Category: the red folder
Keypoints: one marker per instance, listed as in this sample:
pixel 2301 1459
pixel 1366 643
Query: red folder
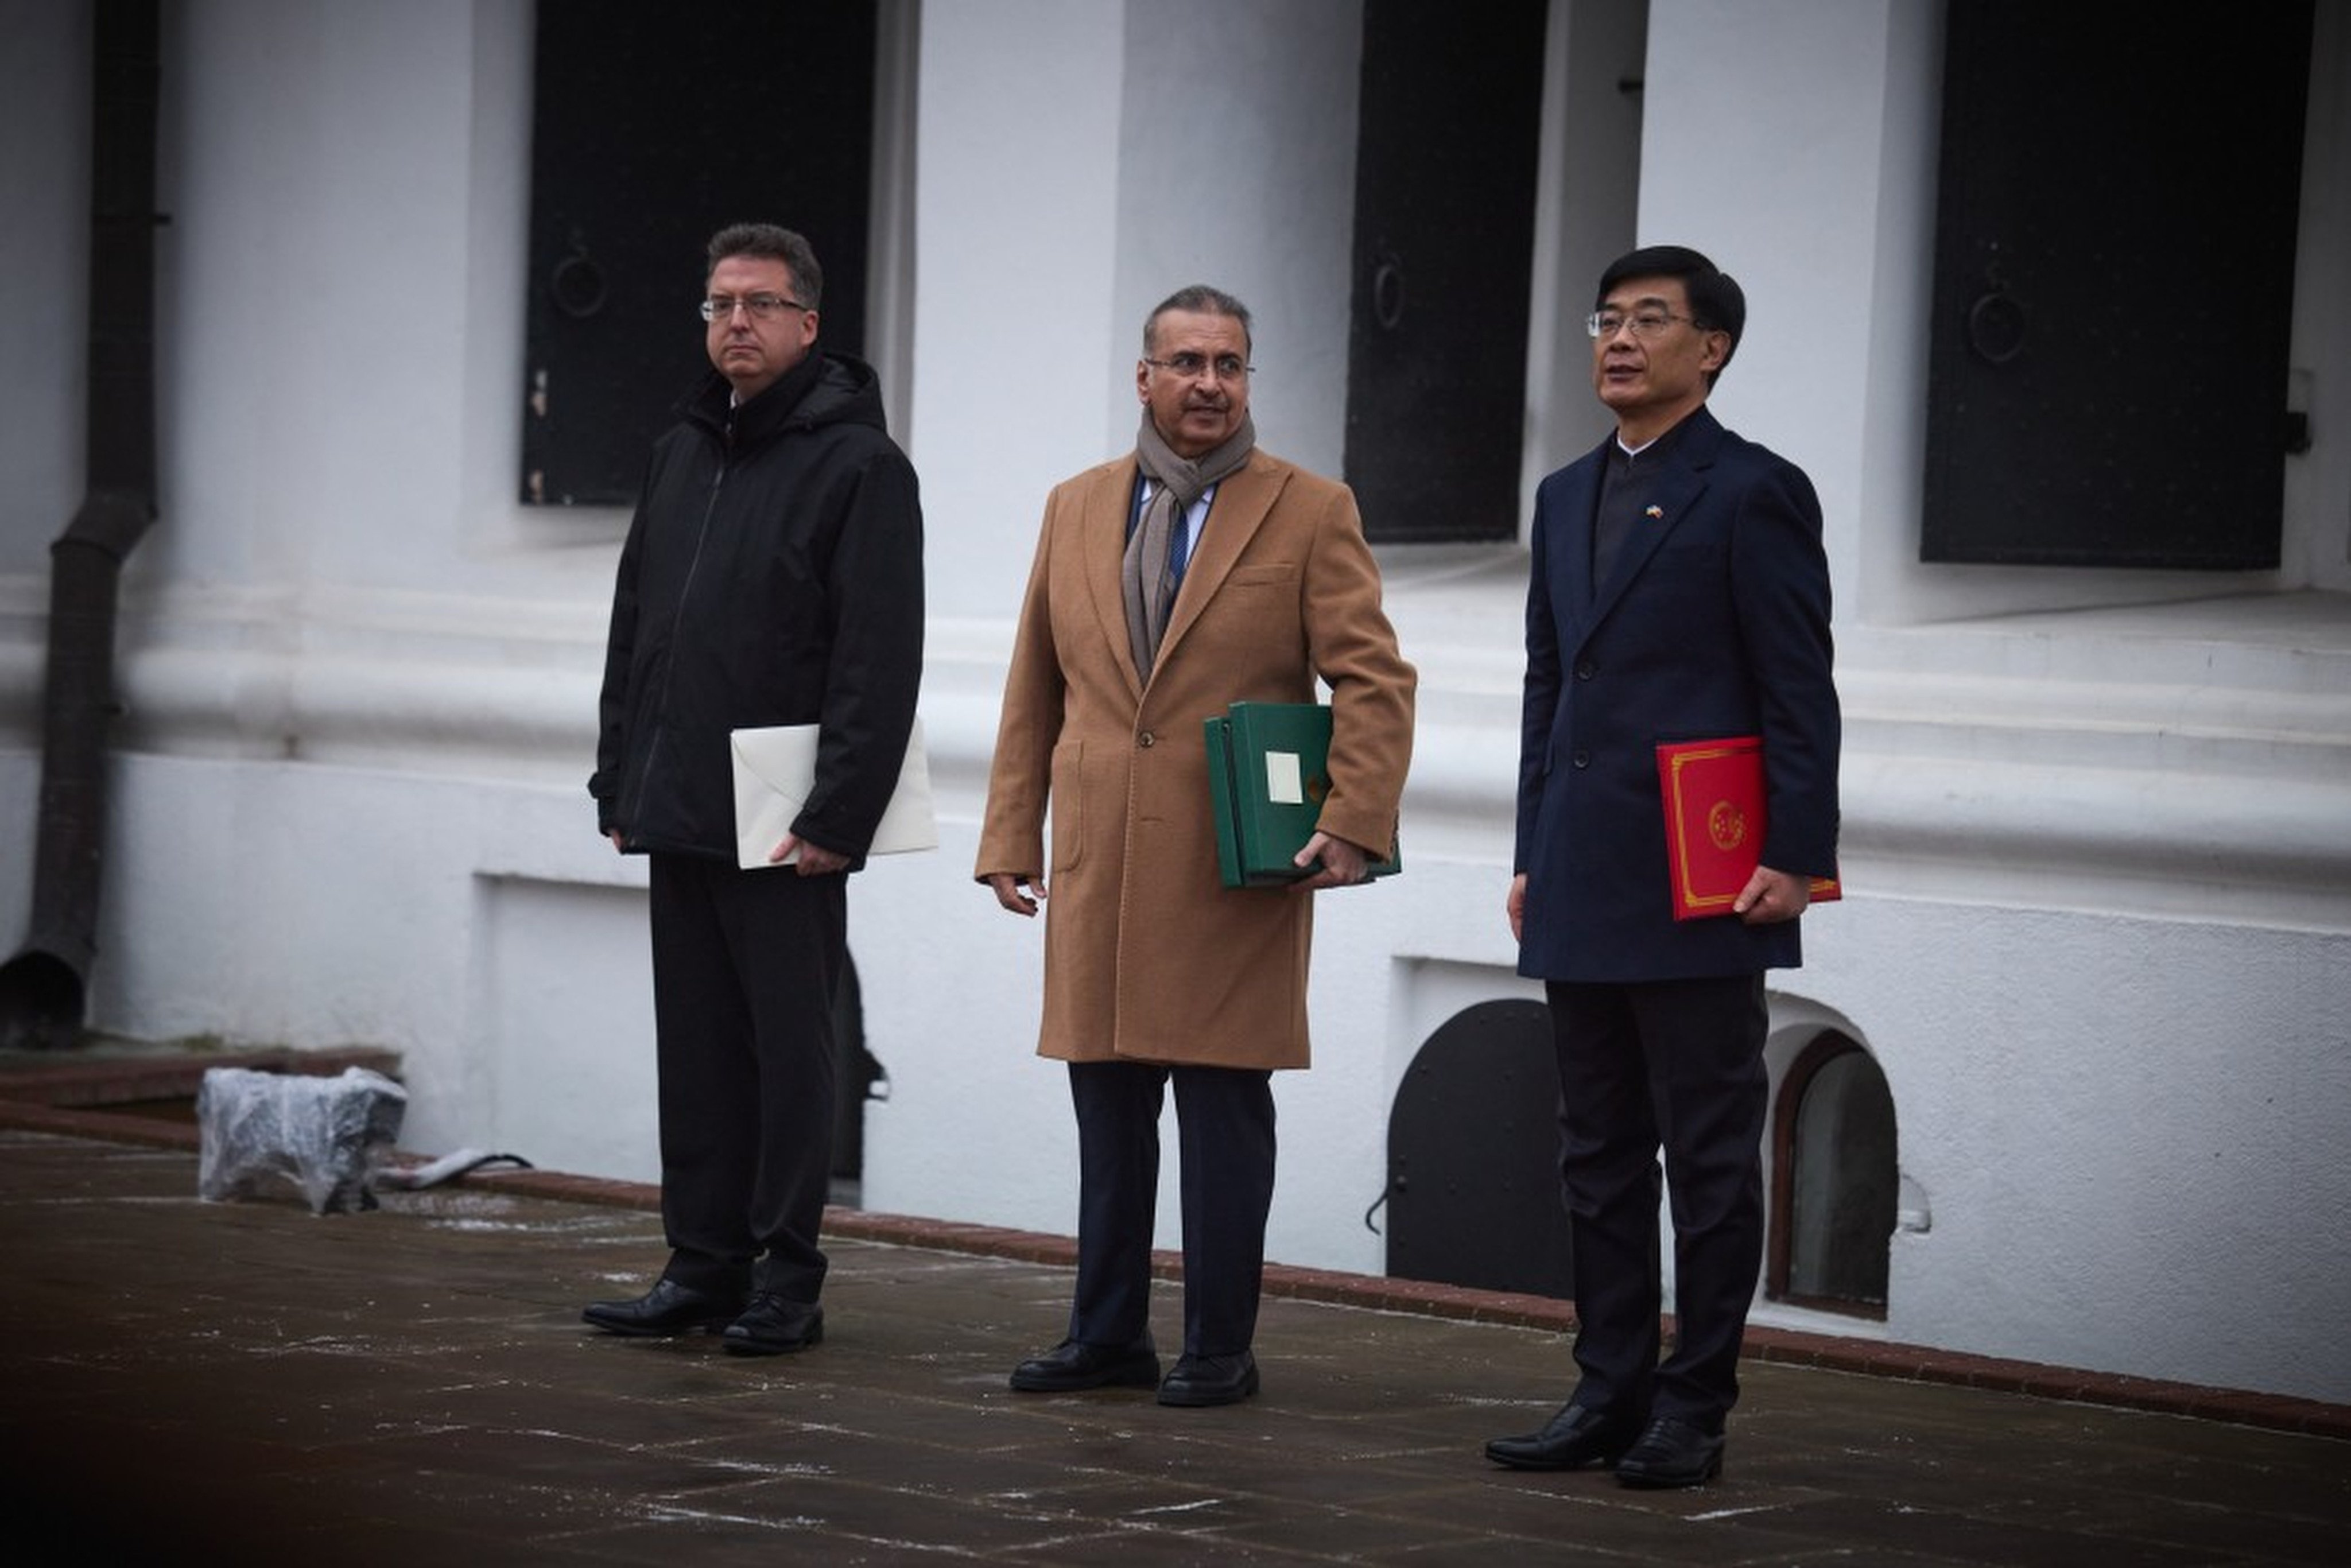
pixel 1713 792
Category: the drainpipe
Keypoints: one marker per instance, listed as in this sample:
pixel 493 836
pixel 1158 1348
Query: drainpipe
pixel 43 987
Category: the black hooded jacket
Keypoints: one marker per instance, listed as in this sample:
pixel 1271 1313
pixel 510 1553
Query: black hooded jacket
pixel 773 575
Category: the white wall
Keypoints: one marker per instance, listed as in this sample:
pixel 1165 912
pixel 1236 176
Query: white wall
pixel 1078 162
pixel 1809 131
pixel 1587 199
pixel 349 188
pixel 1237 169
pixel 2099 904
pixel 360 678
pixel 2096 930
pixel 1015 222
pixel 2127 1130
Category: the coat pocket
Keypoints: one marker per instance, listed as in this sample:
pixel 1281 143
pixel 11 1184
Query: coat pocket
pixel 1068 803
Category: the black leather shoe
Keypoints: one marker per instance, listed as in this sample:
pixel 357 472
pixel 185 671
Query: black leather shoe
pixel 1671 1453
pixel 1203 1380
pixel 669 1308
pixel 1071 1365
pixel 1570 1440
pixel 773 1325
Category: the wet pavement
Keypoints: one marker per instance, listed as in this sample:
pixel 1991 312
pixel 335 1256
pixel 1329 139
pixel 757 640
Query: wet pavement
pixel 193 1382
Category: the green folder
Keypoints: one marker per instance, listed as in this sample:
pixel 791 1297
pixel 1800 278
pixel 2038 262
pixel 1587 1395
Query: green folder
pixel 1268 770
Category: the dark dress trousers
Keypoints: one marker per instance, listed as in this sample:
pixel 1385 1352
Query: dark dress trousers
pixel 1225 1131
pixel 1711 619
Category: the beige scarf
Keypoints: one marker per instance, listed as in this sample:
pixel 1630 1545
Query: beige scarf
pixel 1177 482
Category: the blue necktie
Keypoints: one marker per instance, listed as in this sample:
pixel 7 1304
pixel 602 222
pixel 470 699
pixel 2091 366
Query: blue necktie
pixel 1179 554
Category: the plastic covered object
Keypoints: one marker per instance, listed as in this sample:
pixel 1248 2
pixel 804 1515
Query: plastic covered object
pixel 325 1134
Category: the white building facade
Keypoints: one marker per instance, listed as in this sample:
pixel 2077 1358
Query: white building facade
pixel 2097 937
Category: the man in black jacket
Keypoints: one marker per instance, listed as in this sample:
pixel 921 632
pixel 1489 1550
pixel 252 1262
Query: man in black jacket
pixel 773 575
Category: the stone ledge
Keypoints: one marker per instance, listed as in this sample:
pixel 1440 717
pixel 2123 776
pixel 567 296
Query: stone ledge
pixel 173 1075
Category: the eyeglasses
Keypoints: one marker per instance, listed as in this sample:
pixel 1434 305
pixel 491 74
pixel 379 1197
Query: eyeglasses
pixel 1645 323
pixel 761 306
pixel 1192 367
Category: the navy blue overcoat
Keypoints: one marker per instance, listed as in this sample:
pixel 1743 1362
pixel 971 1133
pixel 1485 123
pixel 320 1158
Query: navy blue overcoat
pixel 1714 621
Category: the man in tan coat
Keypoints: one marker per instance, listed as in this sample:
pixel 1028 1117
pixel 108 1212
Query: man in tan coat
pixel 1196 572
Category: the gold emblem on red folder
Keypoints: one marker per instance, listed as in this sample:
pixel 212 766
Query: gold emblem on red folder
pixel 1716 822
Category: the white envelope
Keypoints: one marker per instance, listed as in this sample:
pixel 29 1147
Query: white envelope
pixel 775 769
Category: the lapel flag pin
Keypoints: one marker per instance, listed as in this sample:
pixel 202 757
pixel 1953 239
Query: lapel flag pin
pixel 1654 513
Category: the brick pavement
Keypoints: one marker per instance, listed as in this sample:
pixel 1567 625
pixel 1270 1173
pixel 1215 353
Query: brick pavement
pixel 206 1382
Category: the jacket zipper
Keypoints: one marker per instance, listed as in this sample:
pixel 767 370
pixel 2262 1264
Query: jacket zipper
pixel 677 617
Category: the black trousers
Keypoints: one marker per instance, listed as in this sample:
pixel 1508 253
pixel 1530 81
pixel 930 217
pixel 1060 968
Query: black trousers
pixel 1677 1064
pixel 1224 1138
pixel 745 967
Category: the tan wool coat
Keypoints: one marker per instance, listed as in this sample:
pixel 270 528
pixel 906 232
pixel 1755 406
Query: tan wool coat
pixel 1147 957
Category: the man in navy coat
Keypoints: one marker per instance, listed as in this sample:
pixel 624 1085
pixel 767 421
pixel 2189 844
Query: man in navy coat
pixel 1678 593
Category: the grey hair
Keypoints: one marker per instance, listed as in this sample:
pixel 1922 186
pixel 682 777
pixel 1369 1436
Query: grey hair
pixel 1203 301
pixel 773 244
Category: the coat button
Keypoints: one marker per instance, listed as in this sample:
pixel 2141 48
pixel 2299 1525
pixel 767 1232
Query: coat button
pixel 1585 669
pixel 1582 759
pixel 1146 740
